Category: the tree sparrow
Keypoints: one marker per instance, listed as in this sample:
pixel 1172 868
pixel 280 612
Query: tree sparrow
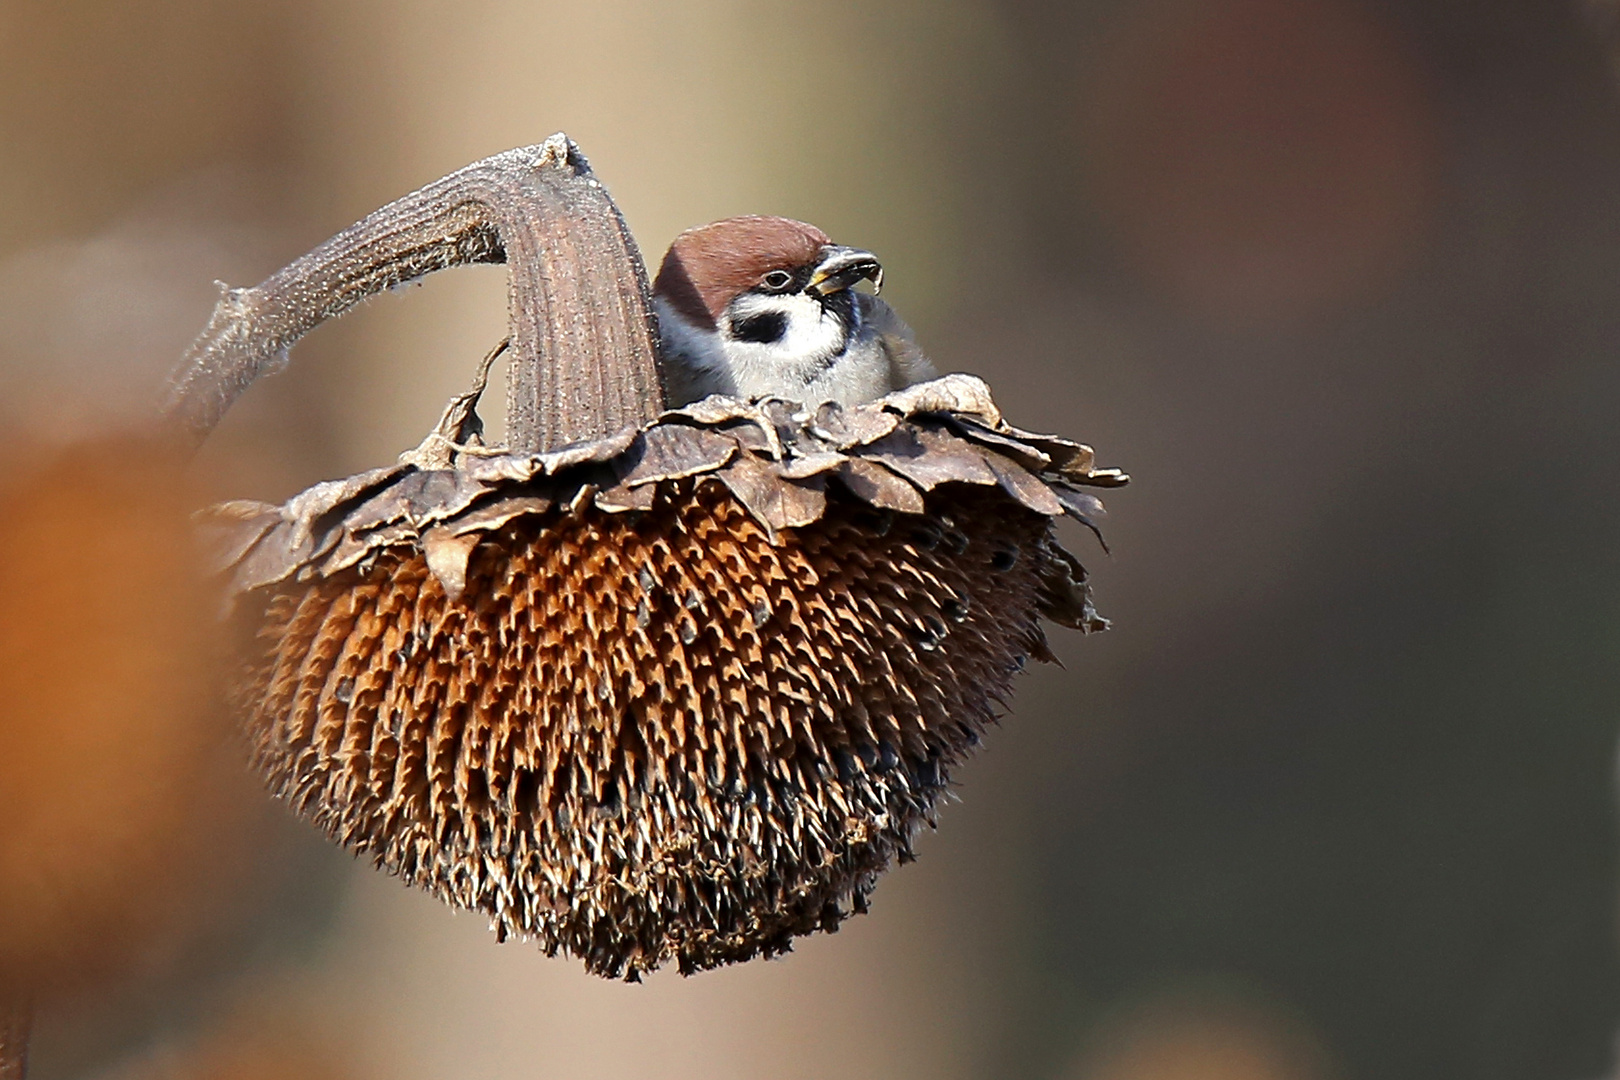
pixel 753 307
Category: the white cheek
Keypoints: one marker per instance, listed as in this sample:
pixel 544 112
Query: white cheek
pixel 811 335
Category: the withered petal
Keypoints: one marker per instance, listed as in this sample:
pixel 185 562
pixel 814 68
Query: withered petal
pixel 231 529
pixel 447 554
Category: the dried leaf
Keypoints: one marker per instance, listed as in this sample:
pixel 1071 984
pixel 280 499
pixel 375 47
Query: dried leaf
pixel 277 556
pixel 848 428
pixel 774 502
pixel 616 500
pixel 1019 450
pixel 1104 478
pixel 526 502
pixel 811 464
pixel 674 451
pixel 1079 504
pixel 520 467
pixel 879 486
pixel 1021 485
pixel 955 393
pixel 1067 600
pixel 929 458
pixel 879 457
pixel 433 496
pixel 1084 508
pixel 331 495
pixel 717 410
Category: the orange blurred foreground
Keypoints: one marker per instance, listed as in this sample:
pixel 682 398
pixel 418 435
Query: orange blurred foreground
pixel 113 807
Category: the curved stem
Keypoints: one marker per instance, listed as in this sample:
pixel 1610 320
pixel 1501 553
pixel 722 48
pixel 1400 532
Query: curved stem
pixel 581 327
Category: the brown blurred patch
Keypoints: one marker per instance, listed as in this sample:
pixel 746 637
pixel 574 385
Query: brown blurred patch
pixel 258 1056
pixel 1201 1033
pixel 119 805
pixel 261 1040
pixel 1262 161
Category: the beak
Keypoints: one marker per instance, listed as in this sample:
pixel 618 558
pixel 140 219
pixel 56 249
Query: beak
pixel 842 267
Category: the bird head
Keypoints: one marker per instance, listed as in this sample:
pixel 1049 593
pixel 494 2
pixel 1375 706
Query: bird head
pixel 764 301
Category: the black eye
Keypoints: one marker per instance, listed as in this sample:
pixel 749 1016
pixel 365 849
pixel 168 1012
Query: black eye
pixel 764 329
pixel 777 280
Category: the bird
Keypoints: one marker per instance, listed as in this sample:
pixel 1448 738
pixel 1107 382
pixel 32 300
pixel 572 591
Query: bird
pixel 754 307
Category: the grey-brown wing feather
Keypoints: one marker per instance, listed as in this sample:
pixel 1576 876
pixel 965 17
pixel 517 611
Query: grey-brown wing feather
pixel 907 362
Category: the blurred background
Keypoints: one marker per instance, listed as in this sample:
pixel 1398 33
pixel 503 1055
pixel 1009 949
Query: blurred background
pixel 1338 281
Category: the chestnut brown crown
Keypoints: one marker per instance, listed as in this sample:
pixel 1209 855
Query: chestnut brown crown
pixel 707 267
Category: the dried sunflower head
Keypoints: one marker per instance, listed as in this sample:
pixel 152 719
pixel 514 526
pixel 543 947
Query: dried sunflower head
pixel 676 694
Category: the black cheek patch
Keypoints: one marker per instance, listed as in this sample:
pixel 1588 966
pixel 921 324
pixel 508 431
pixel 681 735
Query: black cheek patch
pixel 762 329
